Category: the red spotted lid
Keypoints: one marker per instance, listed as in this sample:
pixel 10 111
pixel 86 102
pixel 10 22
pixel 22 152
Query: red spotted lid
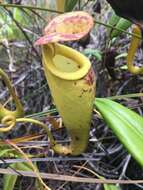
pixel 67 27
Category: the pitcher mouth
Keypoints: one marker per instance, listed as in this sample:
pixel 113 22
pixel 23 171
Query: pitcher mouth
pixel 64 62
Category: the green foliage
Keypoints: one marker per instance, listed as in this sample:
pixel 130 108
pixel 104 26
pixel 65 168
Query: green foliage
pixel 111 187
pixel 93 52
pixel 122 55
pixel 126 124
pixel 108 186
pixel 22 16
pixel 8 28
pixel 10 180
pixel 123 24
pixel 114 19
pixel 118 22
pixel 70 4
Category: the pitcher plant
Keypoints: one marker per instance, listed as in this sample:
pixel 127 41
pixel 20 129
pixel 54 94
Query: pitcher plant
pixel 71 80
pixel 70 77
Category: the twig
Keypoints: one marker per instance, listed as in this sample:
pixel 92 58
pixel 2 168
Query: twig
pixel 58 177
pixel 47 159
pixel 29 7
pixel 115 28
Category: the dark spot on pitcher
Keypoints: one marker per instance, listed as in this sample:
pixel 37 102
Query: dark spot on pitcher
pixel 89 79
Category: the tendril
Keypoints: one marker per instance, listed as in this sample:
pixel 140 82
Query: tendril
pixel 19 108
pixel 9 121
pixel 135 42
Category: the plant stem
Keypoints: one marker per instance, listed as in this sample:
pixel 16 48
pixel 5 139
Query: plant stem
pixel 29 7
pixel 41 114
pixel 134 95
pixel 110 26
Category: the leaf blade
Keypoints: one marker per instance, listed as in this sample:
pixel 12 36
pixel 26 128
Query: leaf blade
pixel 126 124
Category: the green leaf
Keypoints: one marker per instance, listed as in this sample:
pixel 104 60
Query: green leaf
pixel 123 24
pixel 122 55
pixel 96 53
pixel 10 180
pixel 113 20
pixel 22 16
pixel 108 186
pixel 118 22
pixel 3 14
pixel 126 124
pixel 8 28
pixel 70 4
pixel 7 32
pixel 111 187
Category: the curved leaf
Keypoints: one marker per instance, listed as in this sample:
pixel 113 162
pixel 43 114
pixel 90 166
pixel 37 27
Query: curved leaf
pixel 10 180
pixel 126 124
